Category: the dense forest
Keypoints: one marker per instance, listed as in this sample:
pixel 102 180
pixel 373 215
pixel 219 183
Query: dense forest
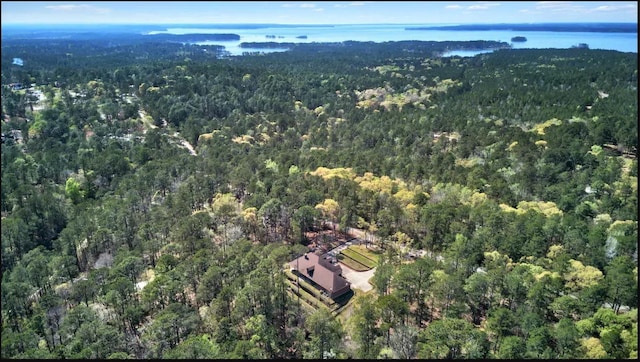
pixel 153 194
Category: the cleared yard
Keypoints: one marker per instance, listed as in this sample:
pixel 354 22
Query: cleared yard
pixel 351 263
pixel 351 253
pixel 361 249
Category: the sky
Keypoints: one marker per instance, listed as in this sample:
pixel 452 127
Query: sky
pixel 315 12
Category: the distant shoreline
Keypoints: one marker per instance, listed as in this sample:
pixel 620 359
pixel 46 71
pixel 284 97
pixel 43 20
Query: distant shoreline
pixel 589 27
pixel 237 38
pixel 556 27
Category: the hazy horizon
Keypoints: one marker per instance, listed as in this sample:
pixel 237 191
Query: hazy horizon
pixel 314 13
pixel 230 25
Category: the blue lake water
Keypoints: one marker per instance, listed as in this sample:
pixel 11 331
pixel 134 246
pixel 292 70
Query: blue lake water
pixel 623 42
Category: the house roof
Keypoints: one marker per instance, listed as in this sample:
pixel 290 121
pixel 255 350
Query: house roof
pixel 322 272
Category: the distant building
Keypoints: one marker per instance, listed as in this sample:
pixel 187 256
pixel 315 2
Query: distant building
pixel 321 273
pixel 18 61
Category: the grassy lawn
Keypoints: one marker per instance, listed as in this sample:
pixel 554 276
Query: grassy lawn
pixel 370 254
pixel 304 295
pixel 359 258
pixel 303 303
pixel 351 263
pixel 316 293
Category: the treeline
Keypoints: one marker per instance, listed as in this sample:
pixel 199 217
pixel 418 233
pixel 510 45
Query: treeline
pixel 118 243
pixel 557 27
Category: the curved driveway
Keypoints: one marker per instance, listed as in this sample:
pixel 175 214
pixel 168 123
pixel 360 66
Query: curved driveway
pixel 358 280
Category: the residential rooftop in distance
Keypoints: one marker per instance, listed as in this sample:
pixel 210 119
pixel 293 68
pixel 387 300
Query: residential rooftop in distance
pixel 324 275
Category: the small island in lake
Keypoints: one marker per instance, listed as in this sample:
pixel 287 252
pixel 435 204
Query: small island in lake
pixel 518 39
pixel 581 46
pixel 192 37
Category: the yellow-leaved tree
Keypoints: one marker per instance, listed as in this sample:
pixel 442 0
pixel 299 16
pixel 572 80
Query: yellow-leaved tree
pixel 330 210
pixel 225 209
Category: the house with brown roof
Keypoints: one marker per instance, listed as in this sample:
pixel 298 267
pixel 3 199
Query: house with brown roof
pixel 321 273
